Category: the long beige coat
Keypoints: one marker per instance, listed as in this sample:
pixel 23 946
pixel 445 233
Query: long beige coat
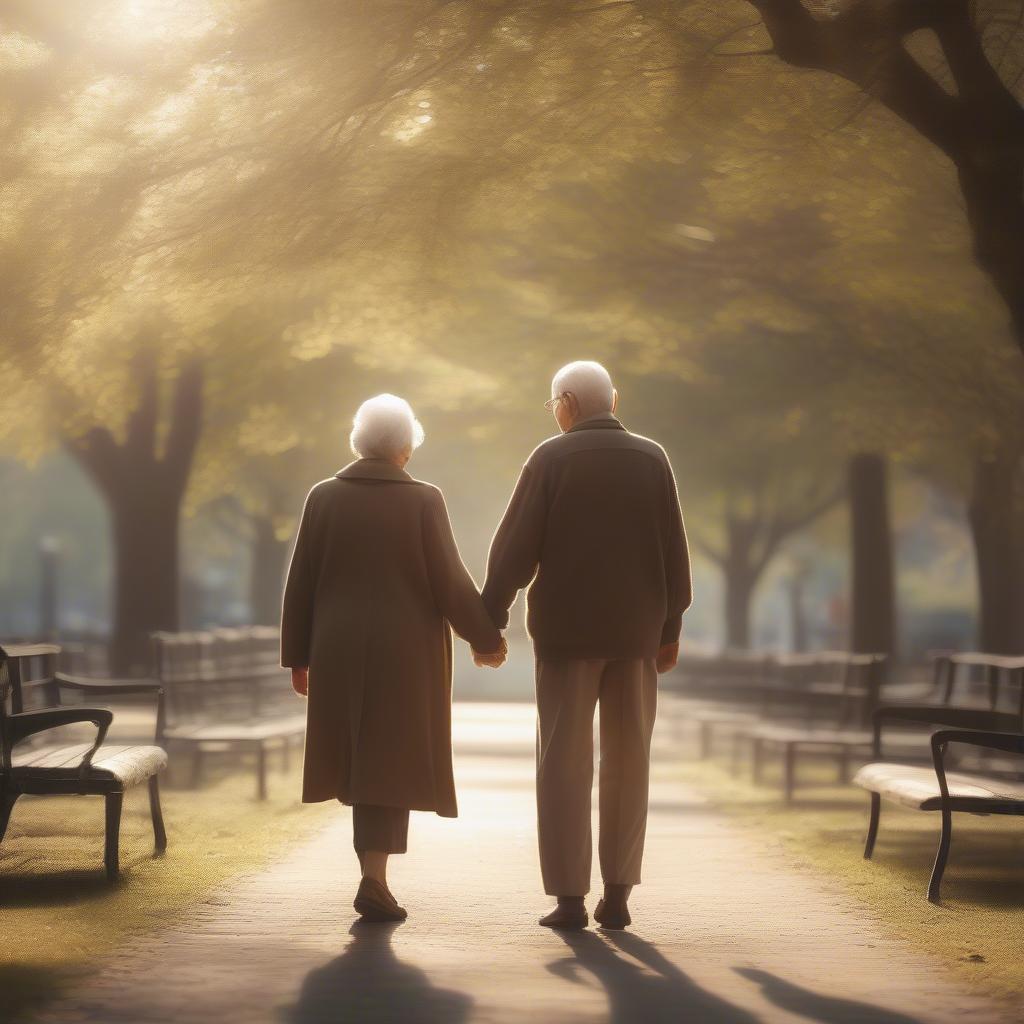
pixel 374 583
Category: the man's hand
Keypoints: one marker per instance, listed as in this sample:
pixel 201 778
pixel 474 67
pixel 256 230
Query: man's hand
pixel 493 660
pixel 300 681
pixel 668 655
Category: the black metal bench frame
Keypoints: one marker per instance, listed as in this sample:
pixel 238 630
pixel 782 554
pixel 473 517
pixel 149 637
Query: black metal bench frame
pixel 19 725
pixel 980 727
pixel 1010 743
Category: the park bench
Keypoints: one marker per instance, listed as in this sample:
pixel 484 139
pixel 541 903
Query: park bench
pixel 217 683
pixel 988 788
pixel 737 679
pixel 795 690
pixel 748 688
pixel 855 694
pixel 72 768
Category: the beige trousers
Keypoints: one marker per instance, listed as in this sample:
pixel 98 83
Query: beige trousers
pixel 567 693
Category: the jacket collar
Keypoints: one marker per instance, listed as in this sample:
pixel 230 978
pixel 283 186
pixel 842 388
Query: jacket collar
pixel 602 421
pixel 374 469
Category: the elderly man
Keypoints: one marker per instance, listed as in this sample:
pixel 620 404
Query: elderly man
pixel 594 523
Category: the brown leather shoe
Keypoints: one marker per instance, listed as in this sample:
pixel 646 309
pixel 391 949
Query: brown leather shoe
pixel 612 911
pixel 570 914
pixel 374 902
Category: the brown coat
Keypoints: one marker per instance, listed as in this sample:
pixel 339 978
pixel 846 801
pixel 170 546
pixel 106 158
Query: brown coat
pixel 374 583
pixel 594 529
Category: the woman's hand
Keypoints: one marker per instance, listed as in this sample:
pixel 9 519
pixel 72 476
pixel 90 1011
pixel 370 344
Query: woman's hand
pixel 300 681
pixel 493 660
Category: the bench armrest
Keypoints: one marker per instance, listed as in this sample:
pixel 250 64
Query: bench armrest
pixel 28 723
pixel 1010 742
pixel 117 687
pixel 111 686
pixel 940 714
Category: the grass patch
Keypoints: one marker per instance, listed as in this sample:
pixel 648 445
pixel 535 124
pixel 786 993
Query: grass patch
pixel 979 929
pixel 58 913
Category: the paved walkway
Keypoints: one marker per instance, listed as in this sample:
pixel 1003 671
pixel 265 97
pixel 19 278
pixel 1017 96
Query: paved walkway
pixel 723 934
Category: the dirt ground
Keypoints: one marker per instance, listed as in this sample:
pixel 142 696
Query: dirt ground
pixel 978 930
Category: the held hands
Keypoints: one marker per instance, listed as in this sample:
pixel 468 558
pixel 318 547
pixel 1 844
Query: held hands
pixel 300 681
pixel 493 660
pixel 668 655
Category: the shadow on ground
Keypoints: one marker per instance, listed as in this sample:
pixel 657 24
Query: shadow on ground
pixel 54 888
pixel 814 1006
pixel 642 985
pixel 368 984
pixel 25 987
pixel 984 870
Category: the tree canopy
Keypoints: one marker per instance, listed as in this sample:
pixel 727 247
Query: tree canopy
pixel 747 209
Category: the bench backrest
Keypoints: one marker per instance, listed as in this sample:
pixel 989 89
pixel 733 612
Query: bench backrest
pixel 217 673
pixel 864 676
pixel 1002 675
pixel 24 670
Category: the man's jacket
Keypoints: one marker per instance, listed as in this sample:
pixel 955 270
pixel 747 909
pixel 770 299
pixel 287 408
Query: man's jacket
pixel 594 523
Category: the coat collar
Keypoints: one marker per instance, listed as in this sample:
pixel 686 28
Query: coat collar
pixel 602 421
pixel 374 469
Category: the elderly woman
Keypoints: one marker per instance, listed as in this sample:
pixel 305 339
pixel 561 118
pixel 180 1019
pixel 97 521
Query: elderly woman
pixel 374 585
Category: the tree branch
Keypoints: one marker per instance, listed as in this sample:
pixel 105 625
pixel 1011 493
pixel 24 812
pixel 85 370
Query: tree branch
pixel 864 45
pixel 815 510
pixel 976 79
pixel 706 548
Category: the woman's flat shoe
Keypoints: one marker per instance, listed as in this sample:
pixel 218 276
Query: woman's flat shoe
pixel 374 902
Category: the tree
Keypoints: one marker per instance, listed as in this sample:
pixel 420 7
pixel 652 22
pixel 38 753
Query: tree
pixel 429 197
pixel 961 105
pixel 144 487
pixel 871 557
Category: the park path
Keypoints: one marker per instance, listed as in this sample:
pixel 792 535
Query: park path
pixel 723 933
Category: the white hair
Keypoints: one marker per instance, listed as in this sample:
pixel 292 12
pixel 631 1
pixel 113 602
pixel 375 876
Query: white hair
pixel 384 426
pixel 589 382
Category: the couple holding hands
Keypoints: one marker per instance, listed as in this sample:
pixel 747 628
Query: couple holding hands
pixel 376 585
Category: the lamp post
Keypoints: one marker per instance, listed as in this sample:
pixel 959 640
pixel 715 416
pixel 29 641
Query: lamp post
pixel 800 569
pixel 49 558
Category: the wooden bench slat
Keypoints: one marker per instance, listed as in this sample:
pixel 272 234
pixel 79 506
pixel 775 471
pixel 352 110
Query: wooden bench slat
pixel 127 764
pixel 50 756
pixel 918 787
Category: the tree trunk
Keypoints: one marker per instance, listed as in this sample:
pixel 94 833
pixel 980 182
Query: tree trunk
pixel 145 528
pixel 49 580
pixel 266 580
pixel 797 615
pixel 739 592
pixel 739 576
pixel 992 514
pixel 872 599
pixel 143 489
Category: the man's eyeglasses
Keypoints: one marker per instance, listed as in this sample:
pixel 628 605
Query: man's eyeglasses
pixel 552 402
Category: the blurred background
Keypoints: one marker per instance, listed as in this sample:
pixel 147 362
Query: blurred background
pixel 793 231
pixel 790 232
